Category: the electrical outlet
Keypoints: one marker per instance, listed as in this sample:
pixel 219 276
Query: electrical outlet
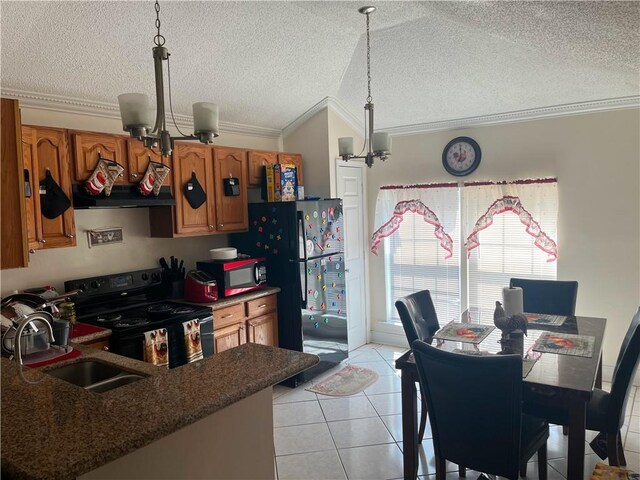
pixel 105 236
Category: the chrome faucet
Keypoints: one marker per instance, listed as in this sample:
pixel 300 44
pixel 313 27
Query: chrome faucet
pixel 17 348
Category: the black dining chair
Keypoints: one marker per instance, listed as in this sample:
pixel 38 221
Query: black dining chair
pixel 553 297
pixel 420 322
pixel 475 410
pixel 605 410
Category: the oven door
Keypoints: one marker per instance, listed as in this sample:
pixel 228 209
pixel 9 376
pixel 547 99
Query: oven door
pixel 132 345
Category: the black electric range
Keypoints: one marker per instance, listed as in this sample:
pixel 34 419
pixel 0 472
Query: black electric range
pixel 131 304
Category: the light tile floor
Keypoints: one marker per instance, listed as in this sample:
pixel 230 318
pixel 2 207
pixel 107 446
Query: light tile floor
pixel 318 437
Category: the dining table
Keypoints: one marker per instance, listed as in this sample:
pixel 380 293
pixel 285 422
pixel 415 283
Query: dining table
pixel 556 379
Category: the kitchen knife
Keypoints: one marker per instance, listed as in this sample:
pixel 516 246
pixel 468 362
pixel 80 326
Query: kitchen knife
pixel 173 262
pixel 181 265
pixel 163 263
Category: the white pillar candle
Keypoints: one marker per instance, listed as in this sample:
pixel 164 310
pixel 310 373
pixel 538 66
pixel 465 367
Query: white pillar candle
pixel 205 117
pixel 381 142
pixel 345 146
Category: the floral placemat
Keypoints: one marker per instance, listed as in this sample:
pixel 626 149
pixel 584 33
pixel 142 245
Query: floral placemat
pixel 464 332
pixel 565 344
pixel 527 363
pixel 544 319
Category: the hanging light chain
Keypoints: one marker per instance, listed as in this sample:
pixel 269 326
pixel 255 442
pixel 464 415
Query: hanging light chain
pixel 368 63
pixel 158 39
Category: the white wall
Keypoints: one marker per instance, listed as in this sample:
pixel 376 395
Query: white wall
pixel 596 158
pixel 339 128
pixel 54 266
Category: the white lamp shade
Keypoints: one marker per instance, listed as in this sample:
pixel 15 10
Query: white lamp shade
pixel 345 146
pixel 205 117
pixel 381 142
pixel 135 110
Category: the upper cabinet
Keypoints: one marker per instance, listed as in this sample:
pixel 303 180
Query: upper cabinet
pixel 46 150
pixel 138 158
pixel 88 147
pixel 293 159
pixel 230 180
pixel 13 233
pixel 259 159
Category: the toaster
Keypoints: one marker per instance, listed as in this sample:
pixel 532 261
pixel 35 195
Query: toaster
pixel 200 287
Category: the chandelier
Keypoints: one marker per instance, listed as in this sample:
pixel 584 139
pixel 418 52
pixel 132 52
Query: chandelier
pixel 137 114
pixel 378 144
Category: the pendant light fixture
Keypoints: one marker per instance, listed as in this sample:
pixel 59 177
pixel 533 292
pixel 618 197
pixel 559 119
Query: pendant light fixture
pixel 137 115
pixel 378 144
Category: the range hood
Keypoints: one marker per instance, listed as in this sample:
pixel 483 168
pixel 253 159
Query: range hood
pixel 121 196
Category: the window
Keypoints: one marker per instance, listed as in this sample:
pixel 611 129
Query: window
pixel 508 231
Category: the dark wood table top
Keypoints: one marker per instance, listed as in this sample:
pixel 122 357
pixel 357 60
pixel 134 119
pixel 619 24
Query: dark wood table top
pixel 555 373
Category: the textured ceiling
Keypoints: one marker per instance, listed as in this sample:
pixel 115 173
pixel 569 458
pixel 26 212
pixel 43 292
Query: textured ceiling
pixel 266 63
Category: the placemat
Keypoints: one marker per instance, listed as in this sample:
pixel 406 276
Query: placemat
pixel 527 363
pixel 565 344
pixel 544 319
pixel 464 332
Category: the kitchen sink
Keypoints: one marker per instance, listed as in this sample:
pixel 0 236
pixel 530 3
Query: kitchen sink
pixel 95 376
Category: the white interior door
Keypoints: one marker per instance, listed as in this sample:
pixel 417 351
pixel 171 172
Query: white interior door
pixel 350 188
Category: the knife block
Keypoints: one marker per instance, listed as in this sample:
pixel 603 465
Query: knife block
pixel 174 290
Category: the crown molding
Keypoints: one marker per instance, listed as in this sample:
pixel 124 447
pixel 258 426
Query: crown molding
pixel 326 102
pixel 63 104
pixel 519 116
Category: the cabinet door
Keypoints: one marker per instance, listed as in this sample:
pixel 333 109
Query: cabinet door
pixel 231 211
pixel 229 337
pixel 294 159
pixel 258 160
pixel 263 329
pixel 13 232
pixel 189 159
pixel 139 156
pixel 32 203
pixel 89 146
pixel 52 154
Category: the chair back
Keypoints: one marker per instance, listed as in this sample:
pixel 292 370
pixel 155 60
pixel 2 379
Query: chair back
pixel 418 316
pixel 553 297
pixel 474 407
pixel 623 374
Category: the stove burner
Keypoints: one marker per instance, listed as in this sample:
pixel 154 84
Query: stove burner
pixel 131 322
pixel 160 308
pixel 109 318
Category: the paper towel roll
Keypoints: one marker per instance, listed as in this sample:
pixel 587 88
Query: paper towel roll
pixel 512 300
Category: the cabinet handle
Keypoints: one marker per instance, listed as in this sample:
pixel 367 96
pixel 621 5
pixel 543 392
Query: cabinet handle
pixel 221 225
pixel 32 250
pixel 134 175
pixel 227 315
pixel 210 227
pixel 42 241
pixel 105 348
pixel 70 235
pixel 241 327
pixel 262 306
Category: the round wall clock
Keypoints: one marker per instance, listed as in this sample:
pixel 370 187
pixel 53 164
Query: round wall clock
pixel 461 156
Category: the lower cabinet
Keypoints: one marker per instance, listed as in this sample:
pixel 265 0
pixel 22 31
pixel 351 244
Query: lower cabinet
pixel 100 344
pixel 253 321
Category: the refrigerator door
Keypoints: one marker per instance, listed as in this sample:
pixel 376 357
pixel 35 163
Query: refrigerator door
pixel 324 316
pixel 320 228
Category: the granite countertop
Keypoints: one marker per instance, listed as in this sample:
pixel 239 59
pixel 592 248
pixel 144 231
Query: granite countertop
pixel 243 297
pixel 88 333
pixel 54 430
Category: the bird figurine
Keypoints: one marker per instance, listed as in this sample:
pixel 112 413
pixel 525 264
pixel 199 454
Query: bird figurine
pixel 509 324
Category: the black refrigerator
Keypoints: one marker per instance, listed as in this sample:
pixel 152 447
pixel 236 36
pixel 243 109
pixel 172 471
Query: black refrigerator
pixel 303 243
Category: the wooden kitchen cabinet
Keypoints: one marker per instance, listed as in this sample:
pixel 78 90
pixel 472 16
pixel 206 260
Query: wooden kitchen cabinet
pixel 88 147
pixel 257 160
pixel 231 210
pixel 138 158
pixel 13 232
pixel 294 159
pixel 47 149
pixel 253 321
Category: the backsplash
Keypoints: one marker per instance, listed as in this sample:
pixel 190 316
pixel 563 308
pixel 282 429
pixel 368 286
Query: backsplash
pixel 138 251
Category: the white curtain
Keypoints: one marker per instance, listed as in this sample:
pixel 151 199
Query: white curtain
pixel 437 205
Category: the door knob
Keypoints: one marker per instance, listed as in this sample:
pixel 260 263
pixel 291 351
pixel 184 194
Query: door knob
pixel 70 235
pixel 42 241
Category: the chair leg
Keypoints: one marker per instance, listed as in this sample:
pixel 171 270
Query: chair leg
pixel 462 471
pixel 523 469
pixel 423 421
pixel 542 462
pixel 565 430
pixel 441 469
pixel 615 452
